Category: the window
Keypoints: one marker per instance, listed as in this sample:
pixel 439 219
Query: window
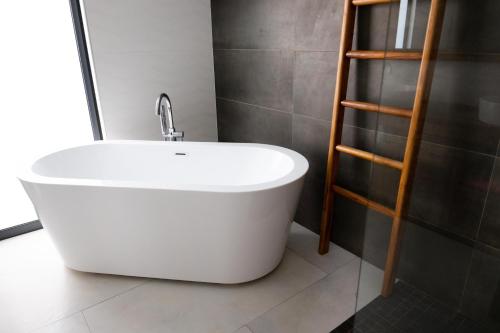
pixel 42 97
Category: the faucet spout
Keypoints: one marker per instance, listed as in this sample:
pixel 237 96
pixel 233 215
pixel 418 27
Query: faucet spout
pixel 164 110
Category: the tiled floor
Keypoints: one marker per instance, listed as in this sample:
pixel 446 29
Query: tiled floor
pixel 409 310
pixel 306 293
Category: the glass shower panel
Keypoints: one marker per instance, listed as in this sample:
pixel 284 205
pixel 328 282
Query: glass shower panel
pixel 449 269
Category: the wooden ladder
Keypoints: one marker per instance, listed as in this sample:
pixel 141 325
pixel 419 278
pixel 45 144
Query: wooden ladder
pixel 416 116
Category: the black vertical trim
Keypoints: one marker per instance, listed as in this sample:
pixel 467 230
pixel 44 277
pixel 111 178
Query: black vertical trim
pixel 83 54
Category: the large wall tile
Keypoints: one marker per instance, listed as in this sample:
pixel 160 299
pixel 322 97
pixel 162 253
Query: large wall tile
pixel 354 173
pixel 481 300
pixel 116 26
pixel 372 24
pixel 490 226
pixel 318 24
pixel 450 187
pixel 310 204
pixel 366 89
pixel 471 26
pixel 310 137
pixel 434 263
pixel 256 24
pixel 239 122
pixel 142 48
pixel 314 83
pixel 364 232
pixel 260 77
pixel 130 83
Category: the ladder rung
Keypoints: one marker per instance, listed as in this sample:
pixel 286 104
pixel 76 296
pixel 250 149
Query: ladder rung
pixel 370 156
pixel 377 108
pixel 371 2
pixel 364 201
pixel 380 55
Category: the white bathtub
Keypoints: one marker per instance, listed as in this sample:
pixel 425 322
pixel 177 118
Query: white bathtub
pixel 211 212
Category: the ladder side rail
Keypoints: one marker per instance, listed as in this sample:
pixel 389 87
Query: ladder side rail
pixel 424 82
pixel 346 38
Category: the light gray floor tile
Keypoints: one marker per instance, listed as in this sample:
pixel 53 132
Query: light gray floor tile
pixel 73 324
pixel 36 289
pixel 319 308
pixel 170 306
pixel 305 243
pixel 244 329
pixel 370 284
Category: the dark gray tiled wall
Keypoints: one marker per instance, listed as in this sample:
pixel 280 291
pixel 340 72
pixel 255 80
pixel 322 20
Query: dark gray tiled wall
pixel 275 67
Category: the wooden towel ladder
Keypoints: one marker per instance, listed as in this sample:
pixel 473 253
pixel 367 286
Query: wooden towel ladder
pixel 415 115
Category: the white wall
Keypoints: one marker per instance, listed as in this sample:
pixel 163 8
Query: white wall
pixel 142 48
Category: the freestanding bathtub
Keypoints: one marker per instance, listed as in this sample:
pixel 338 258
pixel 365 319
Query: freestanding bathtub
pixel 211 212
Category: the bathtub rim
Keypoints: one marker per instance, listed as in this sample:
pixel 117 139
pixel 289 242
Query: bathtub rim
pixel 300 168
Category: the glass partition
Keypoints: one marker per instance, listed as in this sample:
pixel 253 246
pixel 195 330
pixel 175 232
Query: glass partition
pixel 449 267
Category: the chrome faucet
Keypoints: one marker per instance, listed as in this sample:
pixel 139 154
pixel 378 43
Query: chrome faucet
pixel 164 110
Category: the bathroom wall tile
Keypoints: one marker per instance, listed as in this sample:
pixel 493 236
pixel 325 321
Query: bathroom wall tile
pixel 36 289
pixel 144 76
pixel 310 204
pixel 450 187
pixel 372 27
pixel 170 306
pixel 490 227
pixel 318 24
pixel 258 24
pixel 142 48
pixel 239 122
pixel 310 137
pixel 471 26
pixel 314 83
pixel 365 78
pixel 434 263
pixel 260 77
pixel 481 299
pixel 123 27
pixel 384 181
pixel 73 324
pixel 319 308
pixel 458 88
pixel 354 173
pixel 304 242
pixel 348 225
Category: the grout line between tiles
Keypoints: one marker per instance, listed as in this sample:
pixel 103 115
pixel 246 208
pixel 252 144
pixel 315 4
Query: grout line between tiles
pixel 91 306
pixel 243 326
pixel 86 322
pixel 255 105
pixel 321 269
pixel 111 297
pixel 299 292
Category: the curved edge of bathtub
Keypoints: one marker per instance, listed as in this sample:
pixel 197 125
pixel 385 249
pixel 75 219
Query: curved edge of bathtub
pixel 301 166
pixel 222 282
